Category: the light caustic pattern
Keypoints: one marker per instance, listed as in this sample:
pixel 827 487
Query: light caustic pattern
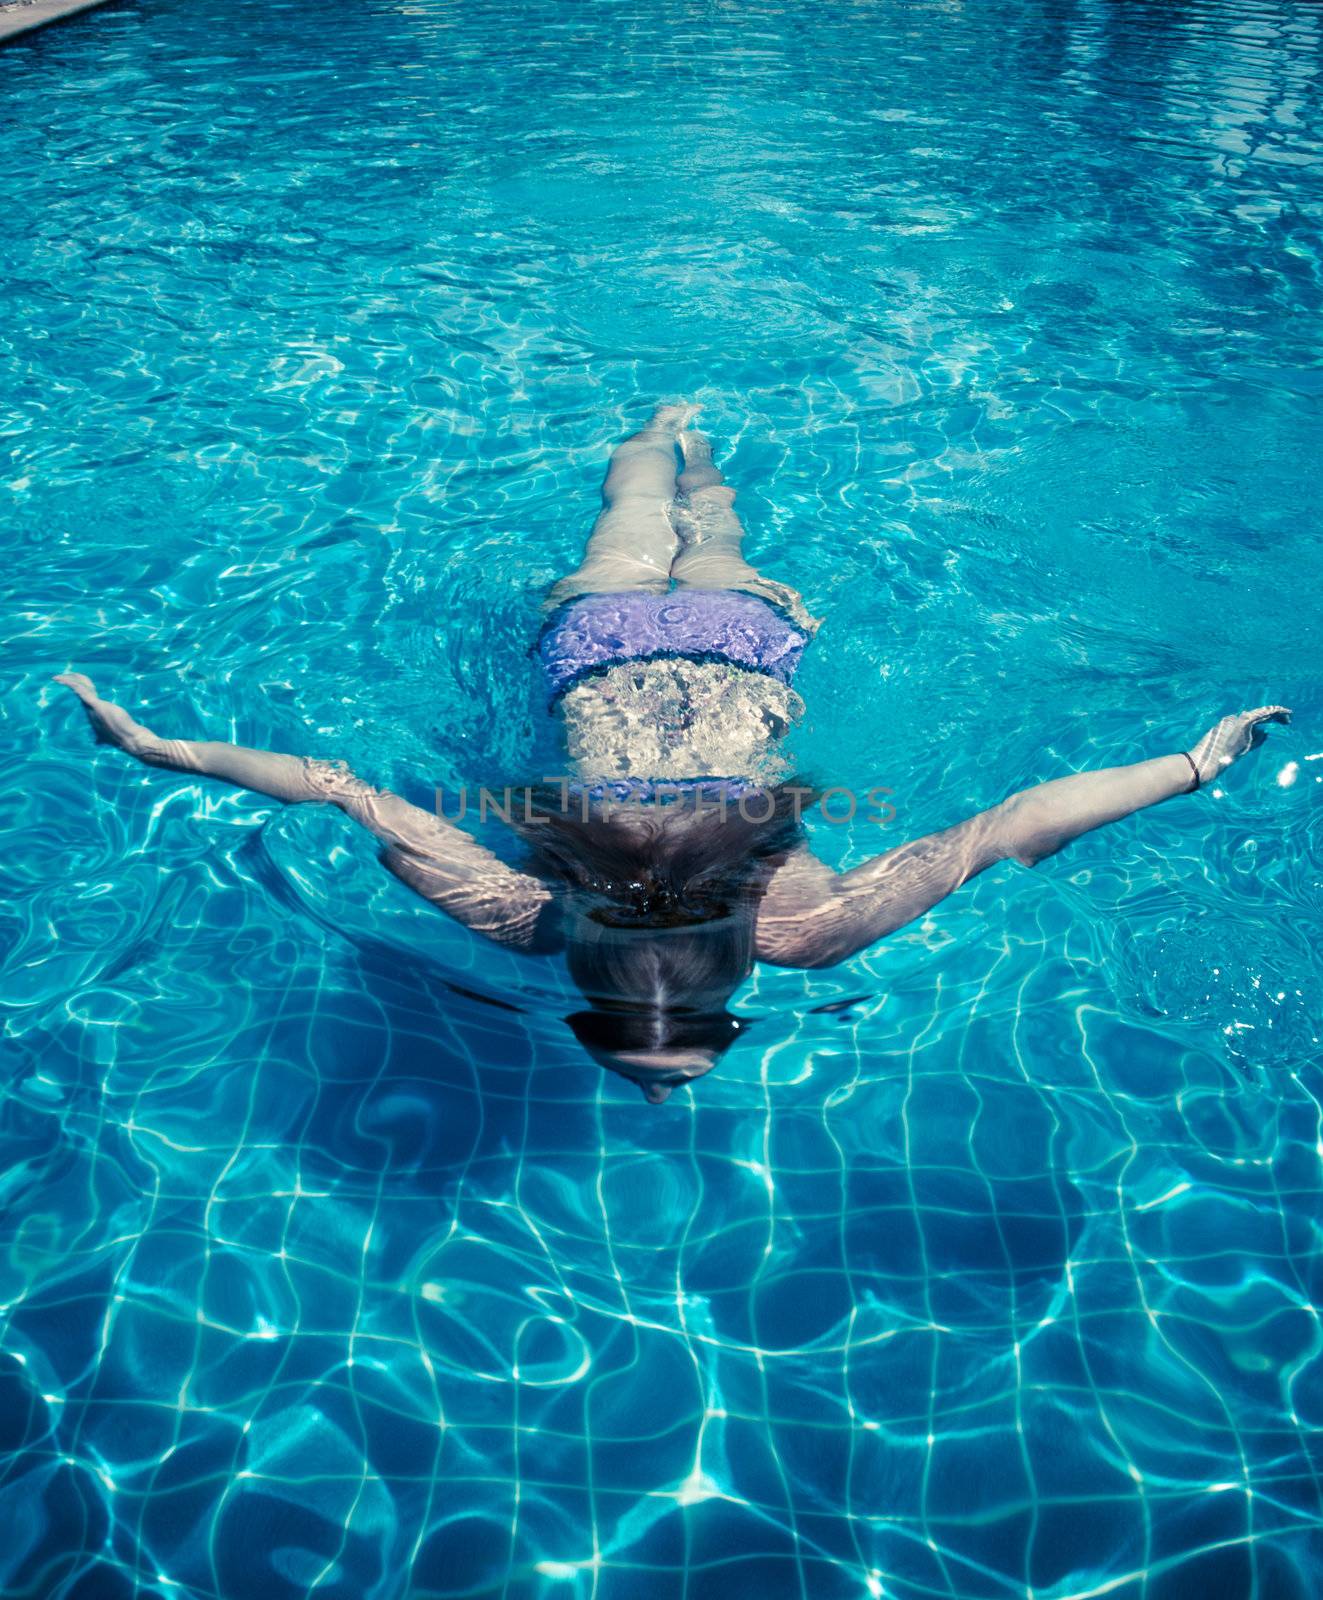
pixel 986 1264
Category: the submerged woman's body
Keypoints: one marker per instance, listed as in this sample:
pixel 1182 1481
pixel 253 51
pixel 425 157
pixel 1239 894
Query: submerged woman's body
pixel 669 662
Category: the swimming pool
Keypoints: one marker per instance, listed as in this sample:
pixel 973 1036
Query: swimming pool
pixel 985 1265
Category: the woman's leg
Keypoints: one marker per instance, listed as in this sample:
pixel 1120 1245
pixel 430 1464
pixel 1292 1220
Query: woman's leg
pixel 711 536
pixel 633 541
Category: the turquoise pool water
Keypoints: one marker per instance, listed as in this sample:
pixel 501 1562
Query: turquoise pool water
pixel 987 1264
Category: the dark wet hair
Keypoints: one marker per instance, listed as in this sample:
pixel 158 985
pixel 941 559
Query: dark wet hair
pixel 670 894
pixel 667 859
pixel 654 1028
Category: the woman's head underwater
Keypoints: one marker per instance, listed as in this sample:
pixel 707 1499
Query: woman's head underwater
pixel 660 908
pixel 657 997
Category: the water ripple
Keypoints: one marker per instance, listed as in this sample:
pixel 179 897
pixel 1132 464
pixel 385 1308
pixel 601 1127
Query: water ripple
pixel 987 1265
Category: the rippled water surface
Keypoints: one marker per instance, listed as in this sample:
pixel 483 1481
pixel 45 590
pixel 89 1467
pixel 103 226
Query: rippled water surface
pixel 986 1265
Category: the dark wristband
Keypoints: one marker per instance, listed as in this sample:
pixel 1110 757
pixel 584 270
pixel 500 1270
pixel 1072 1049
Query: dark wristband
pixel 1194 770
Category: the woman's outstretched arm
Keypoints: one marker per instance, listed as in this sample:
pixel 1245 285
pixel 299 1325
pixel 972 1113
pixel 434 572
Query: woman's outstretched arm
pixel 442 863
pixel 811 916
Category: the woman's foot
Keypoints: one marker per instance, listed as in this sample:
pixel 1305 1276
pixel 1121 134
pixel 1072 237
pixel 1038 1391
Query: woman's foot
pixel 1234 737
pixel 673 419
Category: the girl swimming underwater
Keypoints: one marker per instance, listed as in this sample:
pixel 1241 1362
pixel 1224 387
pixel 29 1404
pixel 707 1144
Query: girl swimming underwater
pixel 669 662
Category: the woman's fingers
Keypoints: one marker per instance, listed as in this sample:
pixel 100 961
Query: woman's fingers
pixel 80 683
pixel 1254 724
pixel 110 723
pixel 1268 714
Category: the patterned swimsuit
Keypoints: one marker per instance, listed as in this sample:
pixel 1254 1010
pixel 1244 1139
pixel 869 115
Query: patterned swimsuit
pixel 682 687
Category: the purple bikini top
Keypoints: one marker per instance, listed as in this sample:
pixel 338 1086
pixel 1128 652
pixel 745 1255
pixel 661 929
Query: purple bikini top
pixel 597 631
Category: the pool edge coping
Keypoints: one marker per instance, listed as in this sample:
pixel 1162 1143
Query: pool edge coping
pixel 28 18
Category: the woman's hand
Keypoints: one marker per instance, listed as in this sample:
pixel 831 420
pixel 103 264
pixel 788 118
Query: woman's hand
pixel 1232 738
pixel 110 723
